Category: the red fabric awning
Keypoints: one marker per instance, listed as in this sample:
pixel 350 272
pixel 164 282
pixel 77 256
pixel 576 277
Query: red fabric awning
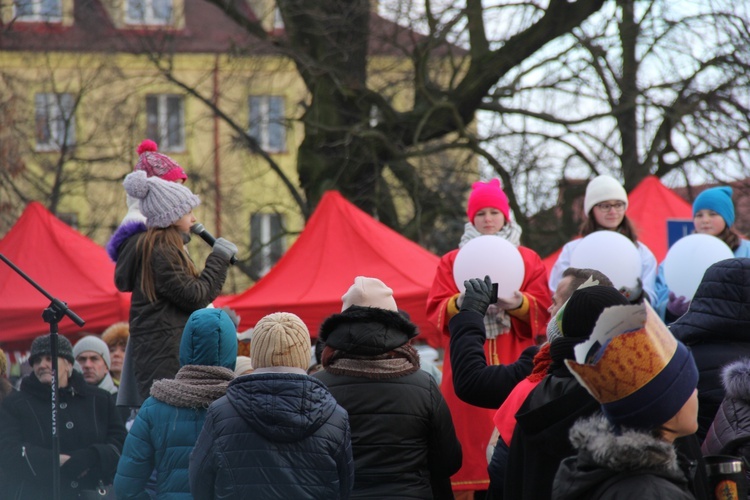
pixel 339 243
pixel 68 265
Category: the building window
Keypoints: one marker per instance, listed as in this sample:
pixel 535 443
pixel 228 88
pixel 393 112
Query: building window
pixel 38 10
pixel 266 242
pixel 155 12
pixel 55 121
pixel 165 122
pixel 267 122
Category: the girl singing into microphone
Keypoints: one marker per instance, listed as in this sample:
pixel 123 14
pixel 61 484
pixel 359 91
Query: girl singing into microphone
pixel 165 283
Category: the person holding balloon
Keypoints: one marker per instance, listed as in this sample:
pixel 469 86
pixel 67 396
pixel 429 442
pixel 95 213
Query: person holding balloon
pixel 713 214
pixel 512 324
pixel 605 205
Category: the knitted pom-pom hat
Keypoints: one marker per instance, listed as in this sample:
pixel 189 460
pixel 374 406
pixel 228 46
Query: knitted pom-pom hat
pixel 162 203
pixel 158 164
pixel 487 194
pixel 281 339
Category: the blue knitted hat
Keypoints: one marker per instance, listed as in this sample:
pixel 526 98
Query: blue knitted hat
pixel 718 199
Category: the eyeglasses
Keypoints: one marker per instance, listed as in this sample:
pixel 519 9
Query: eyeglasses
pixel 606 207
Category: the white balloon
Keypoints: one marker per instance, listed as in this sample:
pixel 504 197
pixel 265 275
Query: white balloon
pixel 688 259
pixel 610 253
pixel 491 256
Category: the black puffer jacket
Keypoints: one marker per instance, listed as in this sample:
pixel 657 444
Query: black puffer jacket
pixel 274 435
pixel 730 432
pixel 717 330
pixel 474 381
pixel 611 466
pixel 89 427
pixel 402 433
pixel 156 327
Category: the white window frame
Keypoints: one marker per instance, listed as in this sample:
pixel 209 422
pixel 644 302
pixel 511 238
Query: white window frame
pixel 159 125
pixel 150 14
pixel 38 14
pixel 264 242
pixel 56 114
pixel 262 125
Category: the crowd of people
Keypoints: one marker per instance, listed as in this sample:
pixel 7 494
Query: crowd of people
pixel 539 396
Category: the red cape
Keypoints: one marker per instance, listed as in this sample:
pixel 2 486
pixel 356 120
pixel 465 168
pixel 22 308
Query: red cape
pixel 474 425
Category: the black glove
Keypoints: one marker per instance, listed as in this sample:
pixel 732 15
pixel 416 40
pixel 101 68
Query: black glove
pixel 80 463
pixel 478 295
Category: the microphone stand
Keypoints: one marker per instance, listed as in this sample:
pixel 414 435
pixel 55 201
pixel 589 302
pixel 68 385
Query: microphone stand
pixel 52 315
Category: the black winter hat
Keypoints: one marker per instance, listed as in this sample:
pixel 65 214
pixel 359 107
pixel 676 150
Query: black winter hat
pixel 584 308
pixel 42 346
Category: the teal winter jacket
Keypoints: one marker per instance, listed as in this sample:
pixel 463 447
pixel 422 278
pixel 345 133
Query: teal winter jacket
pixel 163 435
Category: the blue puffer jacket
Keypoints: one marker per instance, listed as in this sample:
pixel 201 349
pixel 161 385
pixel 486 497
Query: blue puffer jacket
pixel 274 435
pixel 717 330
pixel 163 435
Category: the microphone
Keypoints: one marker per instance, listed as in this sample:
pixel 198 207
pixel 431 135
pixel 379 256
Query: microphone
pixel 199 230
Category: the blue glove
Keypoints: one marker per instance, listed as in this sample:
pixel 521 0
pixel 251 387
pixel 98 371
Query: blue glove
pixel 677 305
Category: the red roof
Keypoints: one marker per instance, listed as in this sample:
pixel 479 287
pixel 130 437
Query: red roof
pixel 68 265
pixel 650 204
pixel 207 29
pixel 339 243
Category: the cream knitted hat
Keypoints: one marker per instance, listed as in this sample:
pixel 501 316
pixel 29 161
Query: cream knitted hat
pixel 281 339
pixel 369 292
pixel 603 188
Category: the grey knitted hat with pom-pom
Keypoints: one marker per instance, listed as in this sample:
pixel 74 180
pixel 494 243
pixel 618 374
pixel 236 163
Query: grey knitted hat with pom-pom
pixel 162 202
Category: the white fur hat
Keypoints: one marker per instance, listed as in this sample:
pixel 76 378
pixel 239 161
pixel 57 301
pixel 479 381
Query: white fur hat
pixel 603 188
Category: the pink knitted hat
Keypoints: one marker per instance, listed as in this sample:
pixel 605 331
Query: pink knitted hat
pixel 487 194
pixel 158 164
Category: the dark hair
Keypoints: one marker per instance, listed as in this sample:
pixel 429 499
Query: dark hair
pixel 581 275
pixel 625 228
pixel 731 237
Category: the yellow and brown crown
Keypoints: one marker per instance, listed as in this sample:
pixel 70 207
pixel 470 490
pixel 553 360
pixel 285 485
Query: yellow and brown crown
pixel 638 371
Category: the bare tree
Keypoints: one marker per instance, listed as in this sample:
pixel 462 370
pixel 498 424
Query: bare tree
pixel 361 132
pixel 640 88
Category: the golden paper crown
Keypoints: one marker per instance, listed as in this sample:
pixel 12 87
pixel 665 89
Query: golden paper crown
pixel 631 357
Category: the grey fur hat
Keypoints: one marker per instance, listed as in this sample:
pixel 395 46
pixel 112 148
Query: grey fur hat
pixel 735 377
pixel 162 202
pixel 41 346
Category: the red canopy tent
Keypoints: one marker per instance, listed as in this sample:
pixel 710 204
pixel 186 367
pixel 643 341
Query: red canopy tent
pixel 650 204
pixel 339 243
pixel 68 265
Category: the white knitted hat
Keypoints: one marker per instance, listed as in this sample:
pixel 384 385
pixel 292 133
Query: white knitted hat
pixel 369 292
pixel 280 339
pixel 603 188
pixel 162 202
